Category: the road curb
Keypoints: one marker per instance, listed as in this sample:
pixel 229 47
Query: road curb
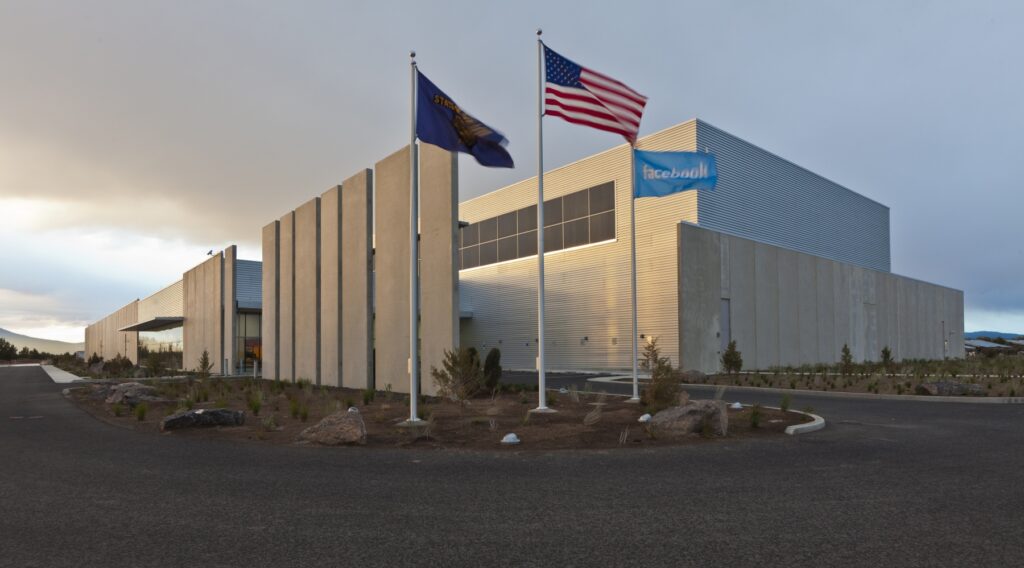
pixel 851 395
pixel 816 424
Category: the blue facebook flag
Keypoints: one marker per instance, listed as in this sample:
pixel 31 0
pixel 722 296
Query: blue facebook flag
pixel 441 122
pixel 658 174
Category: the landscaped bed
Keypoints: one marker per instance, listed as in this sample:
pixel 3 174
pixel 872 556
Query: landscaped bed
pixel 870 382
pixel 585 420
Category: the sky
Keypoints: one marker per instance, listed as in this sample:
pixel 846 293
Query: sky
pixel 137 135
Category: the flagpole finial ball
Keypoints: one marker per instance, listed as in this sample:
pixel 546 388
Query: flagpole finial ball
pixel 539 31
pixel 412 55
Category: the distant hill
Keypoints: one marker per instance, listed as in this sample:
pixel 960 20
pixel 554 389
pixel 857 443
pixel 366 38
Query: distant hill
pixel 991 334
pixel 46 345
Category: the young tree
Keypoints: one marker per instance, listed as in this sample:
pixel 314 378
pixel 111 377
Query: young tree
pixel 492 369
pixel 846 361
pixel 205 366
pixel 732 359
pixel 887 362
pixel 460 376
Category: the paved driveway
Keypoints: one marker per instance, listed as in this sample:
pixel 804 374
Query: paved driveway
pixel 886 484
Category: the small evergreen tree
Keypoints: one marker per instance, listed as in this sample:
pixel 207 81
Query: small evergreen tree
pixel 205 366
pixel 492 369
pixel 887 362
pixel 460 376
pixel 846 361
pixel 732 359
pixel 7 350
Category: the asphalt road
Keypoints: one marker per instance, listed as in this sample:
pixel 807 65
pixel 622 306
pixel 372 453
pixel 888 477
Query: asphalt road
pixel 885 484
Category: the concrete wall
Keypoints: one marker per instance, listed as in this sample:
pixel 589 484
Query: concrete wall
pixel 270 320
pixel 391 261
pixel 230 308
pixel 791 308
pixel 357 281
pixel 103 338
pixel 330 287
pixel 307 291
pixel 286 299
pixel 203 302
pixel 439 242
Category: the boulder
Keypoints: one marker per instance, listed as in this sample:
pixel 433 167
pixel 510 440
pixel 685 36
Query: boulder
pixel 690 418
pixel 131 394
pixel 203 417
pixel 694 377
pixel 950 388
pixel 339 428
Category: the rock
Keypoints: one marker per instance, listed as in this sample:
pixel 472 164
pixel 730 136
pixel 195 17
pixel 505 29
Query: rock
pixel 694 377
pixel 736 406
pixel 131 394
pixel 341 427
pixel 644 419
pixel 950 388
pixel 689 418
pixel 510 439
pixel 203 417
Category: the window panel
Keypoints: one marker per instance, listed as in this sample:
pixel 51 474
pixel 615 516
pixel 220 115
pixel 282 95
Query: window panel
pixel 471 235
pixel 471 257
pixel 507 248
pixel 575 205
pixel 602 227
pixel 527 243
pixel 507 225
pixel 528 219
pixel 576 232
pixel 602 198
pixel 488 253
pixel 488 230
pixel 552 212
pixel 553 238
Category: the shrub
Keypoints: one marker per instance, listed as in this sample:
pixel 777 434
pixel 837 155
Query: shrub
pixel 154 365
pixel 784 405
pixel 349 403
pixel 256 403
pixel 492 369
pixel 303 413
pixel 140 411
pixel 732 359
pixel 368 396
pixel 460 376
pixel 205 366
pixel 755 416
pixel 269 424
pixel 663 390
pixel 846 361
pixel 117 409
pixel 887 362
pixel 293 407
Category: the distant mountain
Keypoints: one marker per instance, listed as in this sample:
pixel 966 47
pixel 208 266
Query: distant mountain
pixel 991 334
pixel 46 345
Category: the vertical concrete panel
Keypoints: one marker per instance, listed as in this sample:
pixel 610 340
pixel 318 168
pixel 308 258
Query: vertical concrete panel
pixel 269 320
pixel 330 287
pixel 742 285
pixel 439 276
pixel 827 352
pixel 357 281
pixel 855 275
pixel 202 302
pixel 286 304
pixel 841 311
pixel 700 294
pixel 766 305
pixel 307 291
pixel 789 307
pixel 808 309
pixel 230 308
pixel 391 260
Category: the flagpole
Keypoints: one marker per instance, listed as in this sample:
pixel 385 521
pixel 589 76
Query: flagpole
pixel 632 267
pixel 542 396
pixel 414 308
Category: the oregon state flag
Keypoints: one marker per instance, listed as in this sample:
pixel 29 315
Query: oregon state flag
pixel 441 122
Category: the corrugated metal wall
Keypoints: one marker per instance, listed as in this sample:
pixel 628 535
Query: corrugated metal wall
pixel 766 198
pixel 165 303
pixel 249 283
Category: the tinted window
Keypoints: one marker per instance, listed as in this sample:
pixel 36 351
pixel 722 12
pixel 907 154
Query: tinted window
pixel 471 257
pixel 506 248
pixel 470 235
pixel 575 205
pixel 576 233
pixel 507 225
pixel 527 244
pixel 602 227
pixel 488 253
pixel 552 212
pixel 527 218
pixel 602 198
pixel 488 230
pixel 553 238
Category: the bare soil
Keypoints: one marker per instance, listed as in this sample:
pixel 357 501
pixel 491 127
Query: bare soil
pixel 288 408
pixel 863 383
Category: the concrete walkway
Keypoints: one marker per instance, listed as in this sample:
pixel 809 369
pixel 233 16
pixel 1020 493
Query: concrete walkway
pixel 60 375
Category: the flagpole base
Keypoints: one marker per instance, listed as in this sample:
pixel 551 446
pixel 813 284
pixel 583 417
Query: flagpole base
pixel 543 410
pixel 412 422
pixel 633 400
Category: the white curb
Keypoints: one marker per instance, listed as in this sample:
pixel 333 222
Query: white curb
pixel 60 375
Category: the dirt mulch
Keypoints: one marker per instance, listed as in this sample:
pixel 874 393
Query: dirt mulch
pixel 286 410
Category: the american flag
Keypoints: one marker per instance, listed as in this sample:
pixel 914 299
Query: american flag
pixel 584 96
